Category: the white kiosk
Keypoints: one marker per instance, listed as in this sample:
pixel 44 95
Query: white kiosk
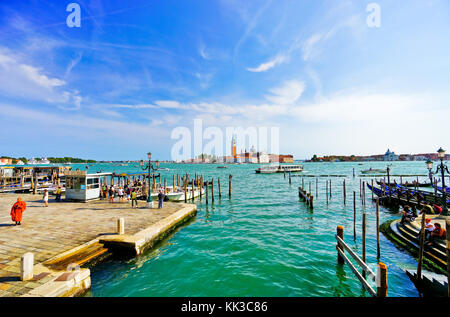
pixel 82 186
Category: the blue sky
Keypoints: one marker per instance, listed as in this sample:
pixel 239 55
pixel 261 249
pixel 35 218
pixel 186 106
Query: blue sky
pixel 117 86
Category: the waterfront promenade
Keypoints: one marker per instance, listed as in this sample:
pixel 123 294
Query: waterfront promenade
pixel 49 232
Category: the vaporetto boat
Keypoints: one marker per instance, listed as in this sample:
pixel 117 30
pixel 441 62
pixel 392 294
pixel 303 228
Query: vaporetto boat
pixel 279 169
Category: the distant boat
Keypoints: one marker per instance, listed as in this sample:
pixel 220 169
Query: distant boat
pixel 279 169
pixel 222 166
pixel 373 170
pixel 163 169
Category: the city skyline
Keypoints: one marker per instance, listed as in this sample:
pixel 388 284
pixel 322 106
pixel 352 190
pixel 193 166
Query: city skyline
pixel 118 85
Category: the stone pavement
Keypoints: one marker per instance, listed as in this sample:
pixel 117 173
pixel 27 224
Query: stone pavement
pixel 49 231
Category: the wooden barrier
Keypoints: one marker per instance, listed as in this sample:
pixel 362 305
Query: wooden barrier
pixel 307 197
pixel 380 278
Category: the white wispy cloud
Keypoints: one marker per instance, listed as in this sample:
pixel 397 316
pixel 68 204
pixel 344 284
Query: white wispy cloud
pixel 288 93
pixel 22 80
pixel 268 65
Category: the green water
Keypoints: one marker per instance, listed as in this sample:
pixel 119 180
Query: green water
pixel 263 241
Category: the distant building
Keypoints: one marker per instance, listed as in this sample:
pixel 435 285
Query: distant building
pixel 390 156
pixel 263 157
pixel 5 161
pixel 285 159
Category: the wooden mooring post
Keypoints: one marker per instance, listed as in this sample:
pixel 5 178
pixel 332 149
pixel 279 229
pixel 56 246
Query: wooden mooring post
pixel 218 184
pixel 207 186
pixel 380 278
pixel 185 189
pixel 354 215
pixel 378 228
pixel 364 240
pixel 421 246
pixel 212 189
pixel 229 185
pixel 326 190
pixel 344 192
pixel 330 189
pixel 447 228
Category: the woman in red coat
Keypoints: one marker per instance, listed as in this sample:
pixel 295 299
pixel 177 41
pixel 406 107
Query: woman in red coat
pixel 17 209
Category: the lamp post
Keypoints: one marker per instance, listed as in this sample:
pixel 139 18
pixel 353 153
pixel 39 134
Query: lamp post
pixel 430 167
pixel 150 168
pixel 442 168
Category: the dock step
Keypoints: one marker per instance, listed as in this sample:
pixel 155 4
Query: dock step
pixel 79 257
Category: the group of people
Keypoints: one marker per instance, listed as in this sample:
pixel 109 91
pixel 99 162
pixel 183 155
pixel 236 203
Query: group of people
pixel 130 192
pixel 433 232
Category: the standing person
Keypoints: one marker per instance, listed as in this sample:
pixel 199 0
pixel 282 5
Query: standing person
pixel 160 198
pixel 120 193
pixel 128 193
pixel 105 191
pixel 58 194
pixel 111 194
pixel 17 210
pixel 133 198
pixel 45 197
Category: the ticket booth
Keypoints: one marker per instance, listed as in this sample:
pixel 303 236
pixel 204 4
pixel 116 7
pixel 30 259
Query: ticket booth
pixel 81 186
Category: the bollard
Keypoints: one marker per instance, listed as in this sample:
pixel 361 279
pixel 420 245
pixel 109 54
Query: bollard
pixel 218 183
pixel 26 266
pixel 229 185
pixel 311 201
pixel 382 287
pixel 185 190
pixel 121 226
pixel 290 181
pixel 340 234
pixel 207 186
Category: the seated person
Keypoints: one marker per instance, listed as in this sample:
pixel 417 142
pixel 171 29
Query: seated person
pixel 407 214
pixel 427 209
pixel 438 233
pixel 437 209
pixel 429 227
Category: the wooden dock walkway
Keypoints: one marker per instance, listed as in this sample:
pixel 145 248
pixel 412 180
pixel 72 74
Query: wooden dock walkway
pixel 74 233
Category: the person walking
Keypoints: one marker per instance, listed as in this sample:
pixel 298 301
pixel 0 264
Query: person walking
pixel 111 194
pixel 17 210
pixel 160 198
pixel 133 198
pixel 45 197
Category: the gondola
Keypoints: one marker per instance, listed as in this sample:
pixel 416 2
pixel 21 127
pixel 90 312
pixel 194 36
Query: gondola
pixel 407 184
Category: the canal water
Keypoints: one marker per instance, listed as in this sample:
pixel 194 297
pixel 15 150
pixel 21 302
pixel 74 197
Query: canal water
pixel 263 241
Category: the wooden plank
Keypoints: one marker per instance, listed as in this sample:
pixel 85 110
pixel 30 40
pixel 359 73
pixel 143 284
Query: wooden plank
pixel 358 275
pixel 356 258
